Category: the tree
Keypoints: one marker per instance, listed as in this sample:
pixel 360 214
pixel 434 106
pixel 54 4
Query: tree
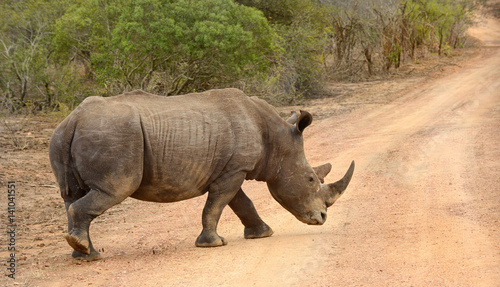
pixel 297 69
pixel 165 46
pixel 25 48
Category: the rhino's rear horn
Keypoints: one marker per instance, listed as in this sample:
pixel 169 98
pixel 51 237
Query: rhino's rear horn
pixel 322 171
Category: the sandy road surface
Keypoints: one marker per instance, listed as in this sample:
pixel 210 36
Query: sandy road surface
pixel 423 208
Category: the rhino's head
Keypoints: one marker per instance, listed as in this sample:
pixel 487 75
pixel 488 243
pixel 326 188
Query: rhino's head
pixel 298 187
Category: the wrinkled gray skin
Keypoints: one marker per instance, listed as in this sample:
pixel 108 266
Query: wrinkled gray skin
pixel 167 149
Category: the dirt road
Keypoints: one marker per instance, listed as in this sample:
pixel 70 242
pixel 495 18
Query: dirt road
pixel 423 208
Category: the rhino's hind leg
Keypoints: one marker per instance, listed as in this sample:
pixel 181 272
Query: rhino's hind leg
pixel 80 215
pixel 94 255
pixel 80 241
pixel 254 226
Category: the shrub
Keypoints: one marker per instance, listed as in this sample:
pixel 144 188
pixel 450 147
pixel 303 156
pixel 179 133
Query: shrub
pixel 187 45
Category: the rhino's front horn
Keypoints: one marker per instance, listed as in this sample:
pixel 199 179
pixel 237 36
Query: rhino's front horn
pixel 335 190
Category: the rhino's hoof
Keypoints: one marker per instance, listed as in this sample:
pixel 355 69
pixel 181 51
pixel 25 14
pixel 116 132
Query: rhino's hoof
pixel 260 231
pixel 79 245
pixel 210 241
pixel 94 255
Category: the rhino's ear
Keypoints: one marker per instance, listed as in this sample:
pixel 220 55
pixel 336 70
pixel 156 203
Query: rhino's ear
pixel 305 119
pixel 322 171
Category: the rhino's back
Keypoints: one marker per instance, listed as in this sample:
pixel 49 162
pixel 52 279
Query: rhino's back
pixel 191 140
pixel 170 148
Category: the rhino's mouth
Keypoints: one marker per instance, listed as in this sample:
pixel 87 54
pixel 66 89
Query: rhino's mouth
pixel 313 218
pixel 317 217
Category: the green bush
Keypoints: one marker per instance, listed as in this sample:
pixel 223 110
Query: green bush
pixel 297 68
pixel 55 52
pixel 166 47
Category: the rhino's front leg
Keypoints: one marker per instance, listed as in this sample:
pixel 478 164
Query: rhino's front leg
pixel 254 226
pixel 220 193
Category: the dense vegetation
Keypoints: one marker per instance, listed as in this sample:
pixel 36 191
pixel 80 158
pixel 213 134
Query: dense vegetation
pixel 54 53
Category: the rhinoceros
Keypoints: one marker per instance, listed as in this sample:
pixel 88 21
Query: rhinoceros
pixel 167 149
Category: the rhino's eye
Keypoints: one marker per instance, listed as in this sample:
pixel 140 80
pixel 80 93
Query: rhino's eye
pixel 311 179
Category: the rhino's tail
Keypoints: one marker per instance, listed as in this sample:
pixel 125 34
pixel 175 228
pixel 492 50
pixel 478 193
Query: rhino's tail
pixel 70 183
